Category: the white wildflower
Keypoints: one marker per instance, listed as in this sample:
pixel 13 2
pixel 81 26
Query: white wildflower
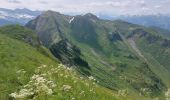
pixel 34 77
pixel 43 66
pixel 146 90
pixel 91 90
pixel 51 83
pixel 91 78
pixel 167 94
pixel 87 84
pixel 62 66
pixel 82 93
pixel 43 74
pixel 69 68
pixel 66 88
pixel 14 95
pixel 122 93
pixel 22 94
pixel 156 98
pixel 81 78
pixel 21 71
pixel 49 92
pixel 37 85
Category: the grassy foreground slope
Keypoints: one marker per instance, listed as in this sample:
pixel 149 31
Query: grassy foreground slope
pixel 27 73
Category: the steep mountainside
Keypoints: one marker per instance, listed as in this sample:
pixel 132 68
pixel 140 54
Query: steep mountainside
pixel 156 50
pixel 100 48
pixel 29 71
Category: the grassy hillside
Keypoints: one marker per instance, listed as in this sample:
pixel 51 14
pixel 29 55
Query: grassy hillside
pixel 152 43
pixel 103 48
pixel 156 49
pixel 20 33
pixel 27 73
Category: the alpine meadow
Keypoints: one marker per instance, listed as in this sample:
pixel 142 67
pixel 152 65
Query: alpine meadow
pixel 84 50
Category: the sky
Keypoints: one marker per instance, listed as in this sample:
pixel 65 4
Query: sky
pixel 102 7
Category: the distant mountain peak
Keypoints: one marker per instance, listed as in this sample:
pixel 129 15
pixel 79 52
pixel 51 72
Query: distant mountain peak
pixel 22 9
pixel 54 13
pixel 51 12
pixel 90 15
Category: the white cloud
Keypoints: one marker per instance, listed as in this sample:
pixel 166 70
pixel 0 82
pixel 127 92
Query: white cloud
pixel 112 7
pixel 13 1
pixel 157 6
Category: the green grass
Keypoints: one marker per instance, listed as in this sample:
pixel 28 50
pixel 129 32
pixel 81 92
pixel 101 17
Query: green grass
pixel 15 55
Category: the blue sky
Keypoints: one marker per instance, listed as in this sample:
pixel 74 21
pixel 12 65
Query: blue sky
pixel 107 7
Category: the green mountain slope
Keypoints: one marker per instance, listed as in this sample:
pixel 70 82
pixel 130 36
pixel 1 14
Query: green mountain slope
pixel 156 50
pixel 31 72
pixel 152 44
pixel 99 48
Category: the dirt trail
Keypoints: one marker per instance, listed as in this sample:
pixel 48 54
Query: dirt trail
pixel 133 45
pixel 156 67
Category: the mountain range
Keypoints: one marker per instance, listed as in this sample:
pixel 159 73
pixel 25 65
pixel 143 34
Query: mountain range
pixel 17 16
pixel 22 16
pixel 105 59
pixel 160 21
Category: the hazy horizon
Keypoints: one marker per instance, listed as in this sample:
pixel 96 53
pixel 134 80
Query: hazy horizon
pixel 100 7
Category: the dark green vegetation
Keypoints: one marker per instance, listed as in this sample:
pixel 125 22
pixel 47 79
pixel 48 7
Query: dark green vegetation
pixel 22 57
pixel 70 55
pixel 121 56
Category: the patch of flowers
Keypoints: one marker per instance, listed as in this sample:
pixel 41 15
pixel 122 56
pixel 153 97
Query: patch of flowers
pixel 38 84
pixel 123 93
pixel 66 88
pixel 167 94
pixel 82 93
pixel 50 80
pixel 92 78
pixel 145 91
